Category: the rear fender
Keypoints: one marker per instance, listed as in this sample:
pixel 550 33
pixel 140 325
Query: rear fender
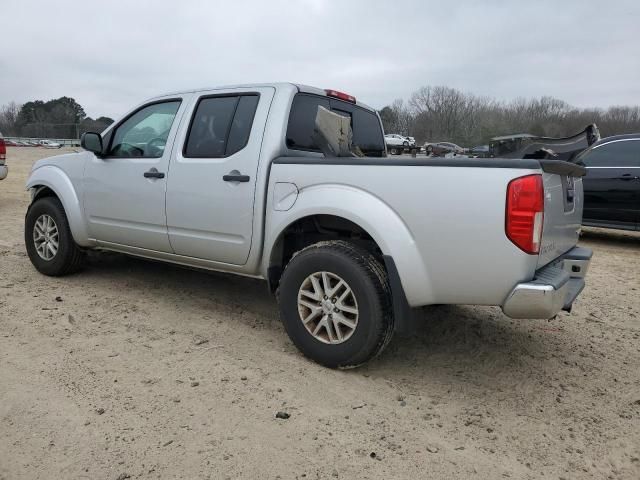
pixel 369 212
pixel 56 180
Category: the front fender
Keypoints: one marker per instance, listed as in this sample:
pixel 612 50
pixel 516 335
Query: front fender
pixel 55 179
pixel 369 212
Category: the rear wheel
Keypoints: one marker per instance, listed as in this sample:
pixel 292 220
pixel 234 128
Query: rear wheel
pixel 48 239
pixel 335 304
pixel 393 151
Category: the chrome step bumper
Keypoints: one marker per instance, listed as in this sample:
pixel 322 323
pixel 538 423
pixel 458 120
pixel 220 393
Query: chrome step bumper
pixel 554 287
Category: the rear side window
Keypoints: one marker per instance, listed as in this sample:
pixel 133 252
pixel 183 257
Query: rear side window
pixel 241 125
pixel 220 126
pixel 367 133
pixel 615 154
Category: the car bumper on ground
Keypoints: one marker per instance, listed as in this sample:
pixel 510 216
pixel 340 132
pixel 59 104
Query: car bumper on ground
pixel 4 170
pixel 554 287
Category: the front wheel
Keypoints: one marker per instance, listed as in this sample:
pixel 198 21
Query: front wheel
pixel 335 303
pixel 48 239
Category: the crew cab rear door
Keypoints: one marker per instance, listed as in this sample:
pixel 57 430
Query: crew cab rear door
pixel 213 170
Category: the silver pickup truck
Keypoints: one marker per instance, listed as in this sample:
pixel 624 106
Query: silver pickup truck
pixel 234 179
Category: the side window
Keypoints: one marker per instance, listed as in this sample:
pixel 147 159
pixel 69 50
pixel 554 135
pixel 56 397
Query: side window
pixel 144 134
pixel 614 154
pixel 241 125
pixel 220 126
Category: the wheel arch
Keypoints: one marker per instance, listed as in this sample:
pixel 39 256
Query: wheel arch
pixel 371 217
pixel 52 181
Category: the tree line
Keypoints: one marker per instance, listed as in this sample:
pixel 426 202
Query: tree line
pixel 58 118
pixel 432 113
pixel 438 114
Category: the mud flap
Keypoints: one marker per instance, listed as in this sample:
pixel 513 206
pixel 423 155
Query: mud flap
pixel 404 320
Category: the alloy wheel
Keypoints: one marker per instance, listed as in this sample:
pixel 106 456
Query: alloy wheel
pixel 327 307
pixel 46 237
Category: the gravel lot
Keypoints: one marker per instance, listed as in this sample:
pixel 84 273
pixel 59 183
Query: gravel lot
pixel 134 369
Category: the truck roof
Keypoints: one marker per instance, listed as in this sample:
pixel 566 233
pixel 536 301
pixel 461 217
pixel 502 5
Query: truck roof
pixel 277 85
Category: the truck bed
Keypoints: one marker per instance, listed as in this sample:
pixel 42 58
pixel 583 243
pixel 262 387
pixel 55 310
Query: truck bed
pixel 454 212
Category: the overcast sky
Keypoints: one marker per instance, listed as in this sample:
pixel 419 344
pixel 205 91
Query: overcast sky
pixel 111 55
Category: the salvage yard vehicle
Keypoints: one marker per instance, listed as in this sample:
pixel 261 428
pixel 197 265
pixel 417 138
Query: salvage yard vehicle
pixel 49 144
pixel 4 170
pixel 396 144
pixel 612 184
pixel 393 139
pixel 526 145
pixel 440 149
pixel 251 180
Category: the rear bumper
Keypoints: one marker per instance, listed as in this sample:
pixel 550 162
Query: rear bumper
pixel 554 287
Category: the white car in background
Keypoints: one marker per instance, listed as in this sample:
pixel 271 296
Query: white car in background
pixel 395 140
pixel 49 144
pixel 396 143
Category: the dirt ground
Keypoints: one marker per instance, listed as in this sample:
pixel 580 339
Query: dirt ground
pixel 134 369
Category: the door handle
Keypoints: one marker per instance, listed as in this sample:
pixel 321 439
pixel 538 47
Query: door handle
pixel 153 173
pixel 236 178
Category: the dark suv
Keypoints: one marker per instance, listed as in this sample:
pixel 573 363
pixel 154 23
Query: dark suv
pixel 612 184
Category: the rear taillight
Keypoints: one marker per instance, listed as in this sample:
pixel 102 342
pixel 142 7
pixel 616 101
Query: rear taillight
pixel 525 212
pixel 341 95
pixel 3 149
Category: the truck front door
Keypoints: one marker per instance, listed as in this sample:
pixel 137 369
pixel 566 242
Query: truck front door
pixel 124 191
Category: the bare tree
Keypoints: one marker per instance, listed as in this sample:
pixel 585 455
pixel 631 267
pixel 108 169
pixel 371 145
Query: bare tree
pixel 8 118
pixel 439 113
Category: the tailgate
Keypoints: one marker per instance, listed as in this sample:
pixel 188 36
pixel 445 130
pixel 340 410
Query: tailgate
pixel 563 202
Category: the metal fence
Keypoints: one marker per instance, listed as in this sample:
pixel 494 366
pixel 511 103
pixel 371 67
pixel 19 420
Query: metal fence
pixel 65 142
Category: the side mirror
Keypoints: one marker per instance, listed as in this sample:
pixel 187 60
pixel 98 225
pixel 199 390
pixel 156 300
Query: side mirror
pixel 92 141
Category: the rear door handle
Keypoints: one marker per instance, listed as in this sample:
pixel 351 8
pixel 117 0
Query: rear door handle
pixel 153 173
pixel 236 178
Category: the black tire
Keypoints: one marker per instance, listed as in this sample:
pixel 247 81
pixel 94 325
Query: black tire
pixel 393 151
pixel 368 281
pixel 69 258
